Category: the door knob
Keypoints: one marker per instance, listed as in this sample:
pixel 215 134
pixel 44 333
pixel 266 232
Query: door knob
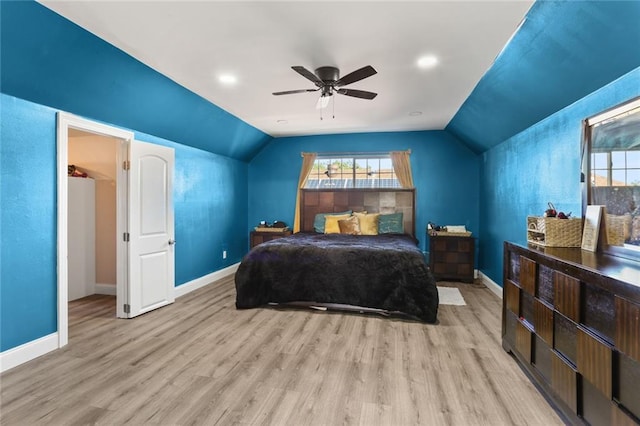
pixel 172 242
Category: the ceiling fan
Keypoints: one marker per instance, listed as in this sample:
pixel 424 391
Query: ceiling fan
pixel 328 81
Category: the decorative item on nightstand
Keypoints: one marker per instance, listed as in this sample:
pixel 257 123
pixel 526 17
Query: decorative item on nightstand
pixel 265 232
pixel 277 226
pixel 448 230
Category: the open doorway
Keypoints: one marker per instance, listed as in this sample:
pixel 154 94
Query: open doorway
pixel 92 213
pixel 145 237
pixel 99 151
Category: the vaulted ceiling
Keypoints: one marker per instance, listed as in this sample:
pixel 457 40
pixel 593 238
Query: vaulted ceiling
pixel 562 52
pixel 257 42
pixel 154 66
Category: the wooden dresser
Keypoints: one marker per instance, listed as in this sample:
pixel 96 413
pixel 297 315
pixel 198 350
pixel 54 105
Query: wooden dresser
pixel 452 257
pixel 572 319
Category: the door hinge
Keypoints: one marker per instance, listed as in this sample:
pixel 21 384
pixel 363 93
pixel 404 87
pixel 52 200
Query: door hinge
pixel 127 308
pixel 126 164
pixel 125 237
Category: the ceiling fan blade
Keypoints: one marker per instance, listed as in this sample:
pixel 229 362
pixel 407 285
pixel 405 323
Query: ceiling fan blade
pixel 357 75
pixel 362 94
pixel 308 75
pixel 291 92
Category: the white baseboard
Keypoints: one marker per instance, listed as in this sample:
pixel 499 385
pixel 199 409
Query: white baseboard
pixel 28 351
pixel 205 280
pixel 109 289
pixel 491 285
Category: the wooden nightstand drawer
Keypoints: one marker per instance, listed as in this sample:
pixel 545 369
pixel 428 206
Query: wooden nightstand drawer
pixel 452 257
pixel 259 237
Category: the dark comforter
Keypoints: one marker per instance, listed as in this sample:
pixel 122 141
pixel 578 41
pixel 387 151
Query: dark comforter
pixel 383 271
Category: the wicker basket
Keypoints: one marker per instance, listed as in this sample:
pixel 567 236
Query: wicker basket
pixel 554 232
pixel 618 229
pixel 264 229
pixel 451 234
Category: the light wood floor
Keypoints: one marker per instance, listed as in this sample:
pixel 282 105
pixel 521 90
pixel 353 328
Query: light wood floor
pixel 201 361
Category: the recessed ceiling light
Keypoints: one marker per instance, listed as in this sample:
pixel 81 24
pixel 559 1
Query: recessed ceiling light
pixel 415 113
pixel 282 121
pixel 227 79
pixel 428 61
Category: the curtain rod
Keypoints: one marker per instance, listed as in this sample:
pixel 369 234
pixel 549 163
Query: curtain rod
pixel 355 154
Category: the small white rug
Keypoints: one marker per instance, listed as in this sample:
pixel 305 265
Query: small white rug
pixel 450 296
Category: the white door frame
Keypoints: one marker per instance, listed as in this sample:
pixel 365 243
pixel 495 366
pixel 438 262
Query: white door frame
pixel 65 122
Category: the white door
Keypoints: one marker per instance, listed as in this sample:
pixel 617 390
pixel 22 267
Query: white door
pixel 151 228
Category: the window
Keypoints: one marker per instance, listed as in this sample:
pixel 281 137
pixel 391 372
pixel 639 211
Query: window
pixel 352 171
pixel 615 168
pixel 612 164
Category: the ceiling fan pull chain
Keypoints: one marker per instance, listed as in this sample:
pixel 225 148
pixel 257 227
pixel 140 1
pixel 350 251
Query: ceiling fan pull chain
pixel 333 105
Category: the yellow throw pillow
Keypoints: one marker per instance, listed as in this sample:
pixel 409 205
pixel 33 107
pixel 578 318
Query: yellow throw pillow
pixel 331 225
pixel 360 214
pixel 368 223
pixel 349 226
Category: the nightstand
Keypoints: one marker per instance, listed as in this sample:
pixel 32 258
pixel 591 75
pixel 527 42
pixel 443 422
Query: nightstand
pixel 452 257
pixel 259 237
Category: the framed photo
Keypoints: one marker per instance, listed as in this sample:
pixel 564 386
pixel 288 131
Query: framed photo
pixel 593 227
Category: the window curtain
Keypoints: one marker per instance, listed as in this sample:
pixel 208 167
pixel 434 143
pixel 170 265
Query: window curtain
pixel 308 158
pixel 402 167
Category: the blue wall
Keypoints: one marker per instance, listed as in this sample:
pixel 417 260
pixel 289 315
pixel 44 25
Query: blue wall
pixel 51 61
pixel 28 287
pixel 445 173
pixel 540 164
pixel 210 201
pixel 563 51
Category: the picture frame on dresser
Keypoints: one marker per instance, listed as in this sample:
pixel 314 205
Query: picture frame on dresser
pixel 593 231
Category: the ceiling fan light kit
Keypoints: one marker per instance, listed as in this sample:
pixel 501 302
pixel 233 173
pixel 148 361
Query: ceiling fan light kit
pixel 327 80
pixel 323 102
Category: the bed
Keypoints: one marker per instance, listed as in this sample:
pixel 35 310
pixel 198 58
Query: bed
pixel 384 274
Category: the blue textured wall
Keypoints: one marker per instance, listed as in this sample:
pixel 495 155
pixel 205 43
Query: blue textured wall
pixel 51 61
pixel 210 201
pixel 563 51
pixel 28 289
pixel 445 173
pixel 540 164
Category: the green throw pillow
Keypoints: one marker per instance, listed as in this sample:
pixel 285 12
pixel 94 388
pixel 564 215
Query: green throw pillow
pixel 390 224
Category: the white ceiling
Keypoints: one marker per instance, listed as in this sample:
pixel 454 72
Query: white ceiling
pixel 194 42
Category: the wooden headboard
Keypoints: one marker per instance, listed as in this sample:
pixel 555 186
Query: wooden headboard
pixel 379 200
